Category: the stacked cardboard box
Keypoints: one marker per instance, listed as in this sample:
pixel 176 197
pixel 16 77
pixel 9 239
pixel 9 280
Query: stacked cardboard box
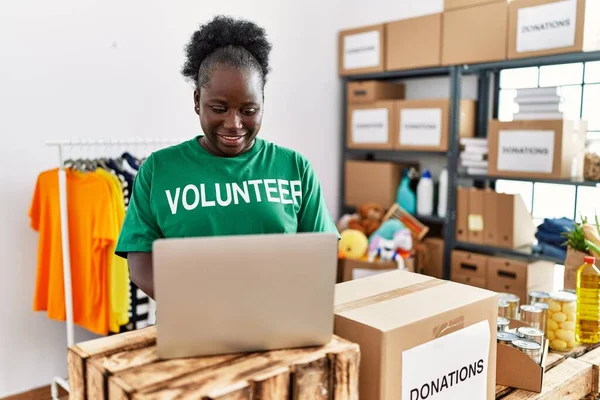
pixel 474 155
pixel 539 104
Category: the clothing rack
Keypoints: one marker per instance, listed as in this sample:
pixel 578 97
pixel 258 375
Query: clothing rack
pixel 64 223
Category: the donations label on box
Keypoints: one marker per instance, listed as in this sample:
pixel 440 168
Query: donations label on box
pixel 526 151
pixel 548 26
pixel 362 50
pixel 370 126
pixel 421 126
pixel 451 367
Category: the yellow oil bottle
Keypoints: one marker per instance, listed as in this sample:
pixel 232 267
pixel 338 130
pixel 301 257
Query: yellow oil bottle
pixel 587 327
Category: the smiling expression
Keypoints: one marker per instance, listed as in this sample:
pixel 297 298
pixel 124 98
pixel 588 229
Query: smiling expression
pixel 230 110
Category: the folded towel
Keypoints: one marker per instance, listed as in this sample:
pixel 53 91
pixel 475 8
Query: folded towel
pixel 551 239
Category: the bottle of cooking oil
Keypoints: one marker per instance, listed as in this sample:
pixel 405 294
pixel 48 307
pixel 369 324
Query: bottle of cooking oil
pixel 587 328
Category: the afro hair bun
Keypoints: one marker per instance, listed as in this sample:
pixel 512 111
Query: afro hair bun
pixel 224 31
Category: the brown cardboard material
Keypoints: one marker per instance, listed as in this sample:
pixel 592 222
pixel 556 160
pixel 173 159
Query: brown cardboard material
pixel 469 264
pixel 470 280
pixel 490 218
pixel 514 225
pixel 573 261
pixel 371 125
pixel 462 214
pixel 414 43
pixel 454 4
pixel 355 269
pixel 361 92
pixel 419 120
pixel 379 314
pixel 548 29
pixel 434 263
pixel 361 50
pixel 568 138
pixel 529 375
pixel 372 182
pixel 475 34
pixel 475 220
pixel 519 277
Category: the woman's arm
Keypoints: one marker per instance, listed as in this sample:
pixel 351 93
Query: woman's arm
pixel 141 272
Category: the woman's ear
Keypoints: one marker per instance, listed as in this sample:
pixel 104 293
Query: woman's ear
pixel 197 101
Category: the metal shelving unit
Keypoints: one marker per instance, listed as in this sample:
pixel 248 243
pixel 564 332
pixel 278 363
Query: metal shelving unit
pixel 488 92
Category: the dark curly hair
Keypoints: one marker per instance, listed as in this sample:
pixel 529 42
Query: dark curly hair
pixel 226 41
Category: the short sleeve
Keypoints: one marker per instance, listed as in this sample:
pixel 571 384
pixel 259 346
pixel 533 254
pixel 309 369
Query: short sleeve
pixel 313 215
pixel 35 207
pixel 140 228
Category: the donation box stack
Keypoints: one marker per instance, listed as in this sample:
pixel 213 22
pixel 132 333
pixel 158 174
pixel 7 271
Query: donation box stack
pixel 420 337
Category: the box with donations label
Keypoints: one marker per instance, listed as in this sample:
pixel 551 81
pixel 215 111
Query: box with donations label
pixel 420 337
pixel 537 148
pixel 361 50
pixel 544 27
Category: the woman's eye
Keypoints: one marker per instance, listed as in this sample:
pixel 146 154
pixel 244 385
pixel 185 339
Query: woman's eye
pixel 249 111
pixel 218 110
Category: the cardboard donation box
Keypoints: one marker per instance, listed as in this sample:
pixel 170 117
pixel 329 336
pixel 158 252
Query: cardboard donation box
pixel 414 43
pixel 469 268
pixel 359 92
pixel 517 369
pixel 520 277
pixel 362 50
pixel 423 124
pixel 370 125
pixel 552 149
pixel 544 27
pixel 372 182
pixel 453 4
pixel 420 337
pixel 432 258
pixel 475 34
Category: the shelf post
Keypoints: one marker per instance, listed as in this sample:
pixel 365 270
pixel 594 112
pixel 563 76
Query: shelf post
pixel 343 153
pixel 452 166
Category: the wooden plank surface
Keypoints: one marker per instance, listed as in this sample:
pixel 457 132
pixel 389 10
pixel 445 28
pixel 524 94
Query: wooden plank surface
pixel 570 380
pixel 593 358
pixel 247 371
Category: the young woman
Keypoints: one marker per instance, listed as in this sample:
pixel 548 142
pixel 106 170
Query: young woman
pixel 226 181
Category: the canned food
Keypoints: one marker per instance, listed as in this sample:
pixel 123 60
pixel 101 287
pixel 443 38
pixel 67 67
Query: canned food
pixel 560 321
pixel 503 308
pixel 531 348
pixel 513 304
pixel 506 338
pixel 503 324
pixel 533 334
pixel 538 297
pixel 532 316
pixel 544 307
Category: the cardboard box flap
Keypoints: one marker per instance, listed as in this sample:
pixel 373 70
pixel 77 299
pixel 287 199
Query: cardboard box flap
pixel 388 301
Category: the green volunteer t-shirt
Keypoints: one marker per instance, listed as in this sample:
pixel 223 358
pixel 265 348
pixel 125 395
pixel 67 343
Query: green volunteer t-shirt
pixel 184 191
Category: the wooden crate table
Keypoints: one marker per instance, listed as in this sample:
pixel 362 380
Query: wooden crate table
pixel 572 375
pixel 125 366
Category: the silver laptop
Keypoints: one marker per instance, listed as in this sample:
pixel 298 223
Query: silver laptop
pixel 233 294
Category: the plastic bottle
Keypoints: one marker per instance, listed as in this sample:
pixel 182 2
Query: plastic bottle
pixel 425 194
pixel 405 197
pixel 587 328
pixel 443 194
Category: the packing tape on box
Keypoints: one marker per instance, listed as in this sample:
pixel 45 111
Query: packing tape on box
pixel 389 295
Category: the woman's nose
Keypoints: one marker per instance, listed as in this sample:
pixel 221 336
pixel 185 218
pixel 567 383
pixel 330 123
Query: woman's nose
pixel 233 121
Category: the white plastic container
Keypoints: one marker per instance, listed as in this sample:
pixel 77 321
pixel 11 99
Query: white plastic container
pixel 425 194
pixel 443 194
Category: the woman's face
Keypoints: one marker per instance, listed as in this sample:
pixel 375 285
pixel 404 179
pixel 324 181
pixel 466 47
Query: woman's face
pixel 230 110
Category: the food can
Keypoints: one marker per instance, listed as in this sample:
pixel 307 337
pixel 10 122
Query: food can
pixel 538 297
pixel 503 324
pixel 532 316
pixel 533 334
pixel 503 308
pixel 513 305
pixel 544 307
pixel 506 338
pixel 529 347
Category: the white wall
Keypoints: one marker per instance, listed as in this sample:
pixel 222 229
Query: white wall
pixel 95 69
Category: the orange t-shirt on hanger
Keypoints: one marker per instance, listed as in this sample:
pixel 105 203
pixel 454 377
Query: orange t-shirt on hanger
pixel 92 230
